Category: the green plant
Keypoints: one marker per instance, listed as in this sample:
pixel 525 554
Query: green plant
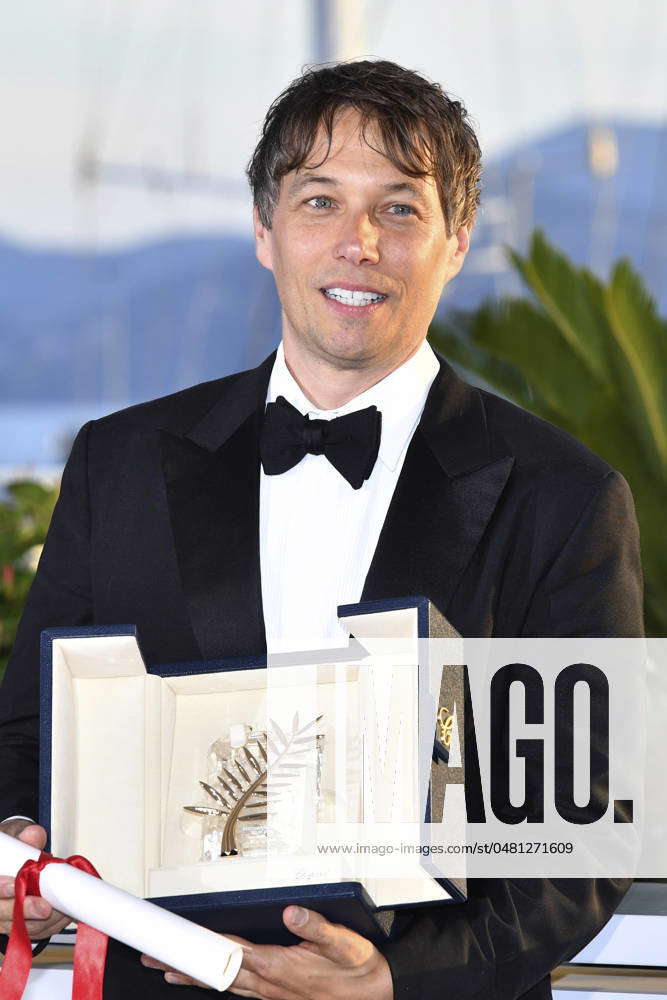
pixel 590 357
pixel 24 520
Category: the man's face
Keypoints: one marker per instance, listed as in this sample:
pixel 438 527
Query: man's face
pixel 360 254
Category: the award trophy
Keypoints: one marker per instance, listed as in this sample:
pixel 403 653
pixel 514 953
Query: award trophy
pixel 253 774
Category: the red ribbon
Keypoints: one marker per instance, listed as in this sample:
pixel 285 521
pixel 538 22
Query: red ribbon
pixel 91 945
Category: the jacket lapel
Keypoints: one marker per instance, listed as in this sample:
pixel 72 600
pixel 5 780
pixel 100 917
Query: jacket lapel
pixel 212 482
pixel 452 478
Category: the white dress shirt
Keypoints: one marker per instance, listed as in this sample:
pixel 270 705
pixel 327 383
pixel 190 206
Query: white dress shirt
pixel 317 533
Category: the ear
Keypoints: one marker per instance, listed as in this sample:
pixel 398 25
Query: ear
pixel 262 241
pixel 459 243
pixel 463 240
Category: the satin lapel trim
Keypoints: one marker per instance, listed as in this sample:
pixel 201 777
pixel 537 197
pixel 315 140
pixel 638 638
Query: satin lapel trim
pixel 452 478
pixel 212 483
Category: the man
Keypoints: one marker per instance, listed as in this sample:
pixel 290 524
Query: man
pixel 214 521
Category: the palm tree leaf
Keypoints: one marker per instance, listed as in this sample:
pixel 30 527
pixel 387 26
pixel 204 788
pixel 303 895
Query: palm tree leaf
pixel 204 810
pixel 592 359
pixel 639 353
pixel 572 298
pixel 232 777
pixel 242 771
pixel 228 788
pixel 252 760
pixel 214 793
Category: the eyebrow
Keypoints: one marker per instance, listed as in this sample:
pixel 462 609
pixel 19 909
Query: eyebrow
pixel 398 187
pixel 301 182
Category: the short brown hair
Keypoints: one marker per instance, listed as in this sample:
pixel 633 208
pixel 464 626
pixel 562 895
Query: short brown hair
pixel 423 132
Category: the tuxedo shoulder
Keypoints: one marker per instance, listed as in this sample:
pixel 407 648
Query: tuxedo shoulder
pixel 176 413
pixel 541 450
pixel 132 438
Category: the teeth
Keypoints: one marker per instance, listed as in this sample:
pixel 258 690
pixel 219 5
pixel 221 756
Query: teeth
pixel 352 298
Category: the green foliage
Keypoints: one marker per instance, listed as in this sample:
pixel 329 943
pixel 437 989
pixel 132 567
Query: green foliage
pixel 591 358
pixel 24 520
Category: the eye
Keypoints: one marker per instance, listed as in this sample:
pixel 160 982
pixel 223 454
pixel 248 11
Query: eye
pixel 405 210
pixel 320 198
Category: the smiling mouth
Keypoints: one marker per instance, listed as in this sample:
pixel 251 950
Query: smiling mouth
pixel 357 299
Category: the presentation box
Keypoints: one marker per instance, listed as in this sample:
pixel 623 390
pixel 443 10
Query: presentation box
pixel 136 772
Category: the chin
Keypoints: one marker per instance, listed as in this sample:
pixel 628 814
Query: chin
pixel 350 351
pixel 349 355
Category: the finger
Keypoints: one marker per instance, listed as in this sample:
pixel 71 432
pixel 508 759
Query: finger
pixel 256 994
pixel 175 980
pixel 153 963
pixel 171 974
pixel 269 961
pixel 268 970
pixel 36 908
pixel 250 984
pixel 178 979
pixel 41 928
pixel 38 930
pixel 44 928
pixel 338 943
pixel 246 945
pixel 7 887
pixel 37 925
pixel 35 835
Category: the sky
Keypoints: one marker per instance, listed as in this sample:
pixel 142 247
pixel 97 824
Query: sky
pixel 181 88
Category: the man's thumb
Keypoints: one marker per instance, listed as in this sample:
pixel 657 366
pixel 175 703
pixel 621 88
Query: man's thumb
pixel 333 941
pixel 297 917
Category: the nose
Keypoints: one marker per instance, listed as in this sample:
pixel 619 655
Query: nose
pixel 358 240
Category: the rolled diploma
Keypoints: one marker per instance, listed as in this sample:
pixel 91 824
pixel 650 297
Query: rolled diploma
pixel 194 950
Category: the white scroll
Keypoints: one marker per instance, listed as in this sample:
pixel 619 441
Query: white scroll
pixel 193 950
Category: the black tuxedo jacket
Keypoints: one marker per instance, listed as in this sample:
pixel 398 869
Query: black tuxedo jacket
pixel 507 524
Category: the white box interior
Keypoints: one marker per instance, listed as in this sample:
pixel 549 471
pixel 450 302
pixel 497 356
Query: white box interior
pixel 128 749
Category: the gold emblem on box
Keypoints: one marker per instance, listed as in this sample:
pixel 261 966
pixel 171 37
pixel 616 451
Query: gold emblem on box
pixel 445 723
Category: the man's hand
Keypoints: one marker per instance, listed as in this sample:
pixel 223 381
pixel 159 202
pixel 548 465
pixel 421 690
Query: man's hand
pixel 331 963
pixel 41 919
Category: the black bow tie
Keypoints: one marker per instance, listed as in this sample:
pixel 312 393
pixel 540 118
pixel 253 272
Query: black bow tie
pixel 350 442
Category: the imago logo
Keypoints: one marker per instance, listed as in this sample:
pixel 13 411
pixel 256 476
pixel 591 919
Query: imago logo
pixel 455 703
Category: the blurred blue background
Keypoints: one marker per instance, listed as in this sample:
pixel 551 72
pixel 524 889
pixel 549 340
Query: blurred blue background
pixel 127 268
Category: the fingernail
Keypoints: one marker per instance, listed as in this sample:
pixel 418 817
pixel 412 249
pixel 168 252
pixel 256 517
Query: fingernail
pixel 171 977
pixel 298 916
